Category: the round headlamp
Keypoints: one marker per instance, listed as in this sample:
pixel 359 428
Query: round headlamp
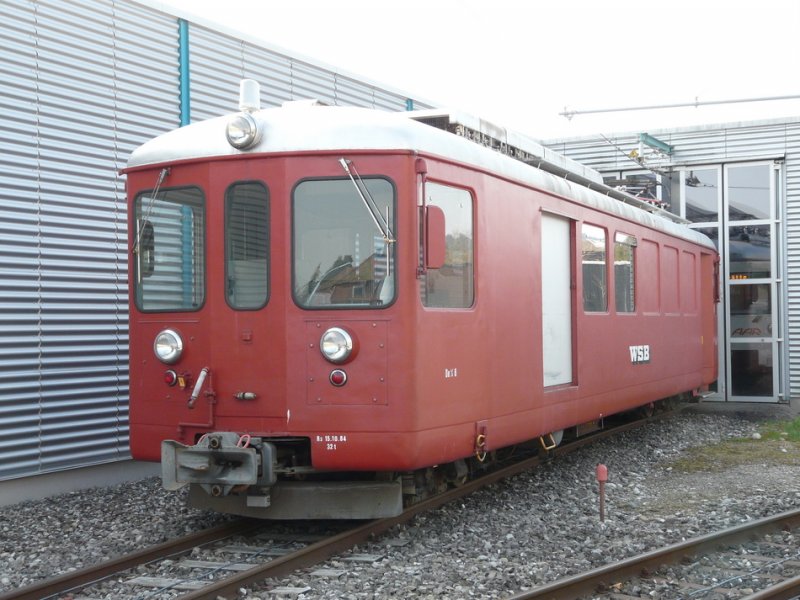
pixel 168 346
pixel 242 131
pixel 336 345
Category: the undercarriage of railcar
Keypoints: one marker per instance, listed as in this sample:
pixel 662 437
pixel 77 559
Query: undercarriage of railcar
pixel 273 478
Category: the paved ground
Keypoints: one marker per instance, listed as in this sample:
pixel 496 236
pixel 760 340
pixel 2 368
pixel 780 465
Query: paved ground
pixel 755 410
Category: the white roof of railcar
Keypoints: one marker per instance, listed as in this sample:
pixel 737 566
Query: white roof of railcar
pixel 304 127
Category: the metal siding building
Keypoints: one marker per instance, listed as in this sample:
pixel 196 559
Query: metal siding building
pixel 723 149
pixel 82 83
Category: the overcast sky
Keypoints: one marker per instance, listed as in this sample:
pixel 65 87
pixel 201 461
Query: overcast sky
pixel 521 62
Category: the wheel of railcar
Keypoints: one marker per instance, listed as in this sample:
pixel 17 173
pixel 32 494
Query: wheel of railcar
pixel 457 473
pixel 647 410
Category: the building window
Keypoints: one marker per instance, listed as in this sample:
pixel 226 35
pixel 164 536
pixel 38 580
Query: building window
pixel 452 285
pixel 749 193
pixel 656 189
pixel 624 273
pixel 593 253
pixel 702 195
pixel 246 245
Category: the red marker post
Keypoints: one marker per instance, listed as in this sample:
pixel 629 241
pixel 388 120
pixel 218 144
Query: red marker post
pixel 602 477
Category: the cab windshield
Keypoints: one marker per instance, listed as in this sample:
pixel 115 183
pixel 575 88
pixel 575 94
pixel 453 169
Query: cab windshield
pixel 341 257
pixel 169 250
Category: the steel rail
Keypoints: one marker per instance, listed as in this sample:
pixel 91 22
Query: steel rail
pixel 329 547
pixel 310 555
pixel 785 590
pixel 325 549
pixel 590 582
pixel 76 579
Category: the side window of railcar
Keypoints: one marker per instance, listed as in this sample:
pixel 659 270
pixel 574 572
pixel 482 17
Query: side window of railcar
pixel 624 273
pixel 452 286
pixel 169 250
pixel 593 253
pixel 246 245
pixel 341 256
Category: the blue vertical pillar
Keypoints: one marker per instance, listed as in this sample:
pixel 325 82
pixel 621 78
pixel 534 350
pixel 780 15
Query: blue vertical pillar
pixel 183 70
pixel 187 264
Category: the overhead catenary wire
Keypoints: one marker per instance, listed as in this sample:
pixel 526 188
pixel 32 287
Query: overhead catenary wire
pixel 696 104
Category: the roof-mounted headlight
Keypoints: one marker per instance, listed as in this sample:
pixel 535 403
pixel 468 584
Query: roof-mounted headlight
pixel 242 131
pixel 168 346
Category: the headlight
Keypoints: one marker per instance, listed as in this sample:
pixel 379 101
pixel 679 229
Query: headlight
pixel 168 346
pixel 242 131
pixel 336 345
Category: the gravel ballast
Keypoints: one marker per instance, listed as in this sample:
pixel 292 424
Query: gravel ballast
pixel 514 535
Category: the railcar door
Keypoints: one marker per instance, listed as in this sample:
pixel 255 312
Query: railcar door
pixel 247 330
pixel 556 300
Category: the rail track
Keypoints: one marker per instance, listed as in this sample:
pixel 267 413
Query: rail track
pixel 224 577
pixel 759 560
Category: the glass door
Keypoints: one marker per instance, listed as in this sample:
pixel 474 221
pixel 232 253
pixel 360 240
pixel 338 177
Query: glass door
pixel 737 206
pixel 752 279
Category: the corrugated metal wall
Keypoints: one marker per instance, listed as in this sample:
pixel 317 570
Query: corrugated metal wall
pixel 791 211
pixel 703 145
pixel 715 145
pixel 82 83
pixel 218 62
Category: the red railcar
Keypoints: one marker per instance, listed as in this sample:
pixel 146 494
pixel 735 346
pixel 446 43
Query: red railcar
pixel 330 305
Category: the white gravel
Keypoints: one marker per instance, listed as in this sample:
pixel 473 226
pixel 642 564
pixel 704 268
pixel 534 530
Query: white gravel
pixel 517 534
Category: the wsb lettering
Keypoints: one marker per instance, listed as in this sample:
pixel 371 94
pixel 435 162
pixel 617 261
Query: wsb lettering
pixel 640 354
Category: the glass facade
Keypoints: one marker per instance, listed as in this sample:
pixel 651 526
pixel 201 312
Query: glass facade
pixel 751 370
pixel 753 278
pixel 701 197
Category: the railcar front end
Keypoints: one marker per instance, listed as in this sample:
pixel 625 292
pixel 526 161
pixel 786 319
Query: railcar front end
pixel 265 330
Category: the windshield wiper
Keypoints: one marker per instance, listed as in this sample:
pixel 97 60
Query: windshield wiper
pixel 380 222
pixel 152 200
pixel 325 275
